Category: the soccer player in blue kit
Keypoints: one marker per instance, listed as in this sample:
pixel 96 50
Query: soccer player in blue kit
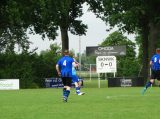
pixel 155 70
pixel 64 70
pixel 76 80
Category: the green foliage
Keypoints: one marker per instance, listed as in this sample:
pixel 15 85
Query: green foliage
pixel 17 66
pixel 128 67
pixel 43 17
pixel 50 58
pixel 117 38
pixel 127 15
pixel 31 69
pixel 14 21
pixel 90 60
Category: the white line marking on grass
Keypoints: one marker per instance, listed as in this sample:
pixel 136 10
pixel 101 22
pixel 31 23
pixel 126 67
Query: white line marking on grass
pixel 119 96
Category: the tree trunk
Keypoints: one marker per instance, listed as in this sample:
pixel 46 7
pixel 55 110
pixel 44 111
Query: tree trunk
pixel 145 60
pixel 154 30
pixel 64 38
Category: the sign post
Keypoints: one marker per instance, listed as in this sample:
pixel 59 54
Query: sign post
pixel 105 64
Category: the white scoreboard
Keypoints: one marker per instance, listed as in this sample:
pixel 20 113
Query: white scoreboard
pixel 106 64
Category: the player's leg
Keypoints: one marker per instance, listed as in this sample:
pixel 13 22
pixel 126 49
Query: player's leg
pixel 68 87
pixel 64 88
pixel 158 77
pixel 150 82
pixel 80 82
pixel 75 81
pixel 77 87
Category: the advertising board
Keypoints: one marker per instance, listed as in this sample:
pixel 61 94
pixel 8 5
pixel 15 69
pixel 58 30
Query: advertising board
pixel 9 84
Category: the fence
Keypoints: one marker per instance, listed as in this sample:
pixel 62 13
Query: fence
pixel 125 82
pixel 89 74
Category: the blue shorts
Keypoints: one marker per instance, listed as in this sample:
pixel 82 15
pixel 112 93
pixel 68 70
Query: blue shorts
pixel 75 78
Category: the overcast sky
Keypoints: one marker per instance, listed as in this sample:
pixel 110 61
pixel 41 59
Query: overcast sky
pixel 95 35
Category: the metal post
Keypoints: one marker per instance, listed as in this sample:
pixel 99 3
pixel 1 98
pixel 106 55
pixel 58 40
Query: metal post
pixel 80 55
pixel 90 70
pixel 99 80
pixel 105 76
pixel 114 74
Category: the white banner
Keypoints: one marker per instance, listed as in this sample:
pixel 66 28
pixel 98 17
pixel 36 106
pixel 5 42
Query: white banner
pixel 9 84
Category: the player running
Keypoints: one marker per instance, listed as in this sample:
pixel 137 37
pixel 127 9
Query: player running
pixel 64 70
pixel 76 80
pixel 155 70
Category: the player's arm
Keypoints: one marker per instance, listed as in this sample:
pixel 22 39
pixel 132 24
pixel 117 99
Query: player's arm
pixel 57 69
pixel 150 63
pixel 159 61
pixel 76 63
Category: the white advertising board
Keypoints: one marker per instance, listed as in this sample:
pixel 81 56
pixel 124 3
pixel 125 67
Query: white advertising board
pixel 9 84
pixel 106 64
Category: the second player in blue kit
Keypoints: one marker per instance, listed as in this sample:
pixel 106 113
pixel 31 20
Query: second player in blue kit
pixel 155 70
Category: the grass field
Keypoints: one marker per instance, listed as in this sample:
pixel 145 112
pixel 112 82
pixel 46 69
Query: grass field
pixel 103 103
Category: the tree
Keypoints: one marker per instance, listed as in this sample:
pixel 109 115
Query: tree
pixel 30 68
pixel 49 16
pixel 50 58
pixel 133 16
pixel 45 18
pixel 12 28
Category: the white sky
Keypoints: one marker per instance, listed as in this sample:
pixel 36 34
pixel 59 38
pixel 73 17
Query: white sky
pixel 95 35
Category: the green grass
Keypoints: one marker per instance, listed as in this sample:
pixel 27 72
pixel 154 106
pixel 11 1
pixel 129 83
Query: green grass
pixel 94 83
pixel 103 103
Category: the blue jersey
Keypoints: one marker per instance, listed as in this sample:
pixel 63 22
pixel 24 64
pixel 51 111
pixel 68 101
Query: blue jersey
pixel 73 70
pixel 155 62
pixel 65 65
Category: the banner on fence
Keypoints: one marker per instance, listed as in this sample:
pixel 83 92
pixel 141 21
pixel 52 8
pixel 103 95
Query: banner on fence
pixel 53 82
pixel 9 84
pixel 56 83
pixel 125 81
